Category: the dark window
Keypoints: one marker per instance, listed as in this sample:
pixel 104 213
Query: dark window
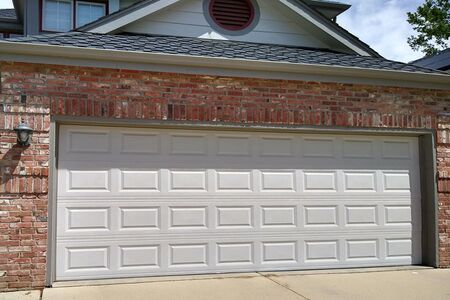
pixel 65 15
pixel 232 15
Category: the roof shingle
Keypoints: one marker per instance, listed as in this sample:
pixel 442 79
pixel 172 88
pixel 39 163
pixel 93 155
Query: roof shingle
pixel 218 49
pixel 8 13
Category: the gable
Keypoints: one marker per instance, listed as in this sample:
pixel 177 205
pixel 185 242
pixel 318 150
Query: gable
pixel 284 22
pixel 276 25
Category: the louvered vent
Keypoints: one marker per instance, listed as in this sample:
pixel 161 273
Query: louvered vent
pixel 232 14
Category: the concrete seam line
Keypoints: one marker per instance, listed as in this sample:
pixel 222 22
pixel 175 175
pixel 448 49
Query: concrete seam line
pixel 162 279
pixel 352 271
pixel 286 287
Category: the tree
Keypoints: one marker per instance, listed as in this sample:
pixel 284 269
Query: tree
pixel 432 23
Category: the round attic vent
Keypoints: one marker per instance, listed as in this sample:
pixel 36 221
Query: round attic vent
pixel 233 15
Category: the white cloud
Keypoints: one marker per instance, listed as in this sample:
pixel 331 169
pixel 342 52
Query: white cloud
pixel 382 24
pixel 6 4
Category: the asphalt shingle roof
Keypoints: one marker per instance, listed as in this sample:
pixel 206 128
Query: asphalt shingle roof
pixel 8 13
pixel 218 49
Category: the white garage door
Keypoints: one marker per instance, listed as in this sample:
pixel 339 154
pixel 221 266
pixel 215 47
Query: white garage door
pixel 143 202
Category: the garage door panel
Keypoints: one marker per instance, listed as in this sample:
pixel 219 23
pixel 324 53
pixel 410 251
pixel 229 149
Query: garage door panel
pixel 139 218
pixel 148 257
pixel 89 219
pixel 96 219
pixel 248 181
pixel 272 146
pixel 139 143
pixel 159 221
pixel 145 202
pixel 138 180
pixel 88 141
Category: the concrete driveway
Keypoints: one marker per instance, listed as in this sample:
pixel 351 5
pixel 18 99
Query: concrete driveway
pixel 421 283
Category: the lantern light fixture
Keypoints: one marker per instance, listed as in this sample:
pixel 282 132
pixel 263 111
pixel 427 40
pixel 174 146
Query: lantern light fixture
pixel 24 132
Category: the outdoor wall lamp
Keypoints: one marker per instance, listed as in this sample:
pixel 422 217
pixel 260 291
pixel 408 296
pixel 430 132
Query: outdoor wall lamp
pixel 24 133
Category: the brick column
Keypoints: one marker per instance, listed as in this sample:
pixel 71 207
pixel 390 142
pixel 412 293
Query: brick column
pixel 23 195
pixel 443 165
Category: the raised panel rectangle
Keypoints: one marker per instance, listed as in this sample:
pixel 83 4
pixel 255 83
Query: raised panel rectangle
pixel 318 147
pixel 140 143
pixel 362 249
pixel 188 217
pixel 361 215
pixel 398 214
pixel 396 181
pixel 188 180
pixel 276 146
pixel 234 181
pixel 140 180
pixel 320 215
pixel 278 216
pixel 277 181
pixel 232 253
pixel 398 248
pixel 228 145
pixel 188 255
pixel 88 180
pixel 188 144
pixel 359 181
pixel 320 181
pixel 88 141
pixel 274 252
pixel 139 218
pixel 87 218
pixel 358 149
pixel 321 251
pixel 139 256
pixel 89 258
pixel 393 149
pixel 234 216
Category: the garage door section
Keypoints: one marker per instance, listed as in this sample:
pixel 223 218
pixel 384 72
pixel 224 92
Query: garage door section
pixel 144 202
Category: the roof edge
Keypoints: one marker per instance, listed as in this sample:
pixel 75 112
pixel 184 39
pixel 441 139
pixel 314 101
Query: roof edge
pixel 226 63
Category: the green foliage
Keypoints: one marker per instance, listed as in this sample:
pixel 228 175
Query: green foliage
pixel 432 23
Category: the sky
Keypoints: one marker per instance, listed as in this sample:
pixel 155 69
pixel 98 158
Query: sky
pixel 380 23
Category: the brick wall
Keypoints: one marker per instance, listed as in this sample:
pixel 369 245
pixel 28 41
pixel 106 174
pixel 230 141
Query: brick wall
pixel 23 196
pixel 125 94
pixel 443 166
